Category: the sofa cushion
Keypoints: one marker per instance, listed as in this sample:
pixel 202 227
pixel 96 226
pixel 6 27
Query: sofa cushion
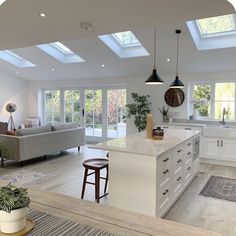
pixel 63 126
pixel 35 130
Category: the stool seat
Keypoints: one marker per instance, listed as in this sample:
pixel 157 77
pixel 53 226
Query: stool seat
pixel 95 165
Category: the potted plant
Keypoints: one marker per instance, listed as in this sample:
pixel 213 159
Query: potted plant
pixel 14 203
pixel 164 113
pixel 3 153
pixel 139 109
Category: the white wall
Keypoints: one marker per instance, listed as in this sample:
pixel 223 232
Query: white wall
pixel 13 89
pixel 133 84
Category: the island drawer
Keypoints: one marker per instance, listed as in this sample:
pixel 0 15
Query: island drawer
pixel 178 183
pixel 188 171
pixel 178 163
pixel 188 156
pixel 165 196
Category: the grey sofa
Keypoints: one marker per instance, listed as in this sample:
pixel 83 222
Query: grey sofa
pixel 34 142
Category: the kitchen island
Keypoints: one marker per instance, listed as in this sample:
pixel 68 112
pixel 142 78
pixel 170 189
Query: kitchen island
pixel 147 176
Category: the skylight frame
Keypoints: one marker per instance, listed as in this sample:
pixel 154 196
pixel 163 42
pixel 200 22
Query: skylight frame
pixel 14 59
pixel 59 53
pixel 62 48
pixel 217 34
pixel 121 43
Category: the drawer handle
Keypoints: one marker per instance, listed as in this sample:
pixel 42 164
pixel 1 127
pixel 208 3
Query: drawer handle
pixel 180 150
pixel 189 144
pixel 166 192
pixel 164 127
pixel 165 172
pixel 188 153
pixel 189 168
pixel 179 179
pixel 179 160
pixel 165 160
pixel 188 128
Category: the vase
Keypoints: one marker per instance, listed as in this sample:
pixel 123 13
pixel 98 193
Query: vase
pixel 165 119
pixel 14 221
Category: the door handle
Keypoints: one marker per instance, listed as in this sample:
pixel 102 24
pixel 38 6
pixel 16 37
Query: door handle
pixel 83 112
pixel 217 143
pixel 221 143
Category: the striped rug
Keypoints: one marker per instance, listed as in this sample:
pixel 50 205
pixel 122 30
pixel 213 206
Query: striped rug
pixel 50 225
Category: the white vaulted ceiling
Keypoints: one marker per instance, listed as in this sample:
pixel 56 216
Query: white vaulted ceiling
pixel 22 28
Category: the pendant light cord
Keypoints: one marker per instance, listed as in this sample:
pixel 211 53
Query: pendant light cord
pixel 177 59
pixel 155 45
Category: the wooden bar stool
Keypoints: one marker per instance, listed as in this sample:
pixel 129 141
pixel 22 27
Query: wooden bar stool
pixel 95 164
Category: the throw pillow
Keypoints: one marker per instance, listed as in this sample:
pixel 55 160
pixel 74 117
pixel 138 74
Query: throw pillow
pixel 63 126
pixel 36 130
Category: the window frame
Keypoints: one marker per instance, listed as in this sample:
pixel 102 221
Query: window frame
pixel 212 99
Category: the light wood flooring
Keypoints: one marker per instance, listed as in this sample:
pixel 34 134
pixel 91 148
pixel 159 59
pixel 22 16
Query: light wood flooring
pixel 64 174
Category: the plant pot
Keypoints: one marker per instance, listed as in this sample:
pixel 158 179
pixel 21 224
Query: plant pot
pixel 165 118
pixel 14 221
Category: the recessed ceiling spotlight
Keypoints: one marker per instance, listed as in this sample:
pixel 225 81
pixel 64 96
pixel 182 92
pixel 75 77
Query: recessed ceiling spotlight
pixel 168 59
pixel 102 65
pixel 42 14
pixel 53 69
pixel 86 26
pixel 17 72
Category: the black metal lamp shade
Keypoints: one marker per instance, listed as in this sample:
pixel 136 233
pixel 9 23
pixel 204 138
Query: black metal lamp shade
pixel 154 78
pixel 177 83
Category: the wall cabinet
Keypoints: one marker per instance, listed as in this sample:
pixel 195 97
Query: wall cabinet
pixel 219 148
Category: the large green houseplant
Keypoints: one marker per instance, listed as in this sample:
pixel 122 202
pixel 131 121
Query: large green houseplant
pixel 139 110
pixel 14 204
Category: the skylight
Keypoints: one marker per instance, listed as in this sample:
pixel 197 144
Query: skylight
pixel 214 32
pixel 124 44
pixel 60 52
pixel 15 59
pixel 62 47
pixel 126 39
pixel 216 25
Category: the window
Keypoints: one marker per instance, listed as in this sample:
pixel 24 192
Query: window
pixel 15 59
pixel 207 100
pixel 214 32
pixel 72 106
pixel 52 106
pixel 216 25
pixel 202 97
pixel 62 47
pixel 116 120
pixel 224 98
pixel 124 44
pixel 126 39
pixel 60 52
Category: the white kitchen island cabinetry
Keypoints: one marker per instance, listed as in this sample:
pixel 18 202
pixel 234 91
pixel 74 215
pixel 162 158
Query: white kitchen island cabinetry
pixel 147 176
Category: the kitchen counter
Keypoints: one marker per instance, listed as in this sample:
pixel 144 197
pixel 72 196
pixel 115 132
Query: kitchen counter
pixel 147 176
pixel 139 144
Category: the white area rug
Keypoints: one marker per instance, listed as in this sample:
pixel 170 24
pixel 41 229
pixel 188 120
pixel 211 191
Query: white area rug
pixel 22 177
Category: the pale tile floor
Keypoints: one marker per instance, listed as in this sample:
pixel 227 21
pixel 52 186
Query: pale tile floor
pixel 64 174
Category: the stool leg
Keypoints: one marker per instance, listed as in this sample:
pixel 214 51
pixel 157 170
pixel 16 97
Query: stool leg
pixel 105 189
pixel 97 185
pixel 84 183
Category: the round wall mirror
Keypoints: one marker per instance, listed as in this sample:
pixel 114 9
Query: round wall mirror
pixel 174 97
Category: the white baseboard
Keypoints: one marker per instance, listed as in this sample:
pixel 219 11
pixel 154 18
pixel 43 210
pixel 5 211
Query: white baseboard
pixel 217 162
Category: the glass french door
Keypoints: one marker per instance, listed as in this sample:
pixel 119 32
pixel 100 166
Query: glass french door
pixel 116 120
pixel 93 114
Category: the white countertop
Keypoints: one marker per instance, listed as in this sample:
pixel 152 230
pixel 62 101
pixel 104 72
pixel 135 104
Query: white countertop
pixel 182 124
pixel 139 144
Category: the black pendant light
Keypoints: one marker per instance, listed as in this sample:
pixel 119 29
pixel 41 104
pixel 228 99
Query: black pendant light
pixel 177 82
pixel 154 78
